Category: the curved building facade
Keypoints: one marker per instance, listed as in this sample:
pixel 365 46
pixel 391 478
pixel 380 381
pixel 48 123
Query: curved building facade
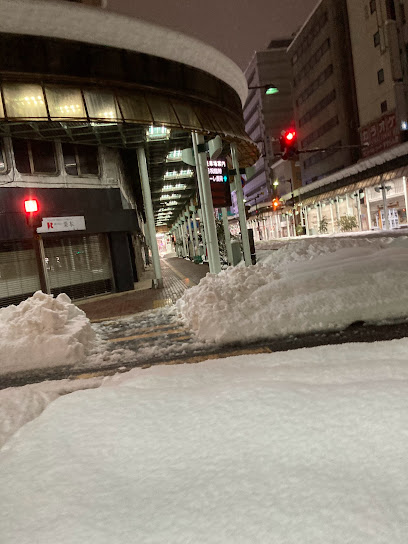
pixel 80 90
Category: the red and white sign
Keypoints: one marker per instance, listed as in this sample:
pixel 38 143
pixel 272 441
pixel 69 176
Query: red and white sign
pixel 62 224
pixel 380 135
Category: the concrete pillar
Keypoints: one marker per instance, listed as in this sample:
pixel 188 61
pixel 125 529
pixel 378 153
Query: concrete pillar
pixel 241 206
pixel 189 233
pixel 195 230
pixel 227 235
pixel 147 199
pixel 184 231
pixel 384 196
pixel 360 223
pixel 306 215
pixel 337 212
pixel 207 204
pixel 202 231
pixel 332 215
pixel 369 211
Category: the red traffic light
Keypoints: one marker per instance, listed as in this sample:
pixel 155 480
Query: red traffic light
pixel 31 206
pixel 288 144
pixel 31 209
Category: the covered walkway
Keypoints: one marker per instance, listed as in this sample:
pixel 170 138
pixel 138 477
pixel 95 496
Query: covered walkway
pixel 178 275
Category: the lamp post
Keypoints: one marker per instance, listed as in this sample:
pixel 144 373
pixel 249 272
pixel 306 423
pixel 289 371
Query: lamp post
pixel 269 88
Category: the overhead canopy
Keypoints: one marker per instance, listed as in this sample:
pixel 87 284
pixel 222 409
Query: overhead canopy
pixel 58 84
pixel 121 118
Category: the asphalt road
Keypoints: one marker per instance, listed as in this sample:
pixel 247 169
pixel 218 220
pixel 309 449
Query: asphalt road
pixel 159 340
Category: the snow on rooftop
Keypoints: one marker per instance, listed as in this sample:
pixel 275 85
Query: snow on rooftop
pixel 85 24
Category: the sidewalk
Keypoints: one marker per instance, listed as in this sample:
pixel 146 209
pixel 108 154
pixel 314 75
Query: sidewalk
pixel 178 275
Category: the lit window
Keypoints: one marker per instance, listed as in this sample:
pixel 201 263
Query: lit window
pixel 174 156
pixel 65 103
pixel 170 196
pixel 157 133
pixel 178 174
pixel 176 187
pixel 24 101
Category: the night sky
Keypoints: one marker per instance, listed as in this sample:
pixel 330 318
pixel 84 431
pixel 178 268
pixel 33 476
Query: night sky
pixel 235 27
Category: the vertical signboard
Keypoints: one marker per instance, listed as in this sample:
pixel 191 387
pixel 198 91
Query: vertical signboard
pixel 219 181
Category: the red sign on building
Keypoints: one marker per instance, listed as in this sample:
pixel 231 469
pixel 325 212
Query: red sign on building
pixel 380 135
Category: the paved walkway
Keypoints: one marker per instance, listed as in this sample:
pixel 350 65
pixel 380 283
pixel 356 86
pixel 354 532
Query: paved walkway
pixel 178 275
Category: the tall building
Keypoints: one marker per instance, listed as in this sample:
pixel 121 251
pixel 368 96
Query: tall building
pixel 324 95
pixel 379 37
pixel 362 104
pixel 266 115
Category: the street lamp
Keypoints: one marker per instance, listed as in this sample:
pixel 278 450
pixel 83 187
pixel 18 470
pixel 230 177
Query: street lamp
pixel 269 89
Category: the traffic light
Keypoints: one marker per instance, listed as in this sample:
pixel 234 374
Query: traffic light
pixel 288 144
pixel 275 203
pixel 32 209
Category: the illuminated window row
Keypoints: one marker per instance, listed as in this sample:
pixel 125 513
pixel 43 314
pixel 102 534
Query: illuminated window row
pixel 178 174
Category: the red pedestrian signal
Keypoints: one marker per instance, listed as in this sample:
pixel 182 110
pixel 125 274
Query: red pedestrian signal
pixel 31 209
pixel 31 206
pixel 288 144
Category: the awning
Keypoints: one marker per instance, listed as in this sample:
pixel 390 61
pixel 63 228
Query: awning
pixel 113 117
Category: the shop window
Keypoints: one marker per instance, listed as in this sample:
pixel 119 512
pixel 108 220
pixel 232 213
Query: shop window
pixel 376 39
pixel 380 76
pixel 384 106
pixel 80 160
pixel 34 157
pixel 373 6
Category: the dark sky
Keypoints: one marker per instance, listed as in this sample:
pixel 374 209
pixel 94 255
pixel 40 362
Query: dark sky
pixel 235 27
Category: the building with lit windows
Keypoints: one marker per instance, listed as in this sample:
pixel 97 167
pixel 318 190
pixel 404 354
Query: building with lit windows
pixel 324 97
pixel 267 114
pixel 86 97
pixel 357 108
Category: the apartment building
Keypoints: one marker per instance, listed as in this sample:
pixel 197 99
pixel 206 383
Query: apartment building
pixel 325 105
pixel 266 115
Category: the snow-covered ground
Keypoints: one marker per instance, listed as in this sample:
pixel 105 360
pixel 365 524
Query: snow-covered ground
pixel 305 446
pixel 19 405
pixel 303 286
pixel 299 286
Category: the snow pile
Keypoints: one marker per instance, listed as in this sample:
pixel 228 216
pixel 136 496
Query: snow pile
pixel 306 446
pixel 330 291
pixel 303 249
pixel 43 331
